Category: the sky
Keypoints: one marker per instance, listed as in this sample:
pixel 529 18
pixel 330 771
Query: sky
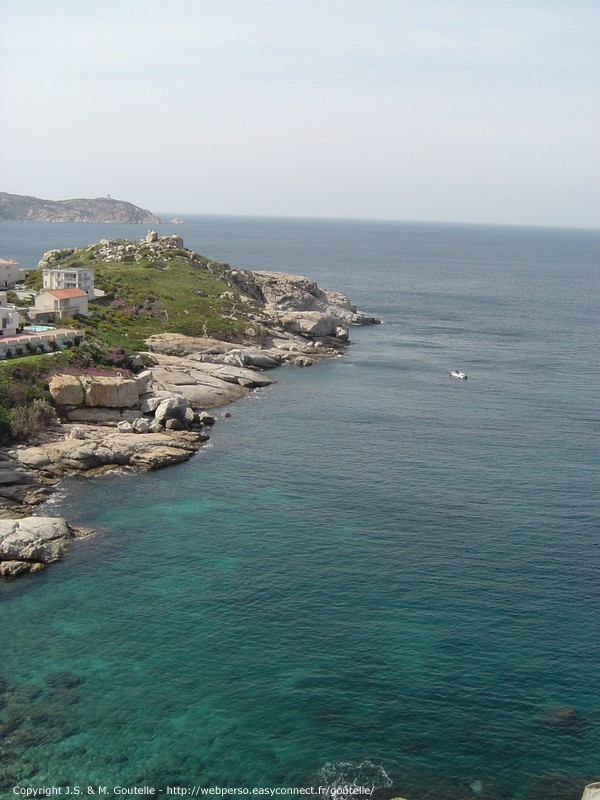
pixel 483 111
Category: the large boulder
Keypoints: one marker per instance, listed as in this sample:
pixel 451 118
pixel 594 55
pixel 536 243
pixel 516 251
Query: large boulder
pixel 213 395
pixel 172 241
pixel 150 403
pixel 175 425
pixel 143 381
pixel 35 458
pixel 66 390
pixel 363 319
pixel 192 380
pixel 109 392
pixel 33 540
pixel 310 323
pixel 172 408
pixel 252 358
pixel 141 425
pixel 242 376
pixel 98 391
pixel 591 792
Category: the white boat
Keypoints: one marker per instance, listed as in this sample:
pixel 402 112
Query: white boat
pixel 456 373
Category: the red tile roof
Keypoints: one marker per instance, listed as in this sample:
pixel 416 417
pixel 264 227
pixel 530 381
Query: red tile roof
pixel 67 294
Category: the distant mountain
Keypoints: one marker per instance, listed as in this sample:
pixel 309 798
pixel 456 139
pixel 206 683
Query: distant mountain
pixel 21 208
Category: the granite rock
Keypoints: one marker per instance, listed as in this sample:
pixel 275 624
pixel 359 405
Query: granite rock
pixel 173 408
pixel 108 392
pixel 32 540
pixel 591 792
pixel 67 390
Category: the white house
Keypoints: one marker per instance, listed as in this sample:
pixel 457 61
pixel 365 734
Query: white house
pixel 9 317
pixel 9 273
pixel 62 303
pixel 73 278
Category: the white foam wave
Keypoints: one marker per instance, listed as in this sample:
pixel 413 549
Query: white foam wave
pixel 343 779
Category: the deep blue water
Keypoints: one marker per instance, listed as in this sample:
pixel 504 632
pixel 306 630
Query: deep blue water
pixel 373 571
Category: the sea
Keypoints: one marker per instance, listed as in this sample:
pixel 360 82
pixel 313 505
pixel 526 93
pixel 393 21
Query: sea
pixel 374 575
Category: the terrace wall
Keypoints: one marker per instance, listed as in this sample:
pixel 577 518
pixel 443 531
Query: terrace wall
pixel 59 336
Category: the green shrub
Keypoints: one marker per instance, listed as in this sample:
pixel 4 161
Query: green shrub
pixel 28 421
pixel 5 425
pixel 13 393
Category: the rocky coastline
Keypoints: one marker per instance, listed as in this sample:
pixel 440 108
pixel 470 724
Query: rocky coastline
pixel 24 208
pixel 158 412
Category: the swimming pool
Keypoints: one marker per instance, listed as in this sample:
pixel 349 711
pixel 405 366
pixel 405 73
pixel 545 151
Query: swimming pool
pixel 38 328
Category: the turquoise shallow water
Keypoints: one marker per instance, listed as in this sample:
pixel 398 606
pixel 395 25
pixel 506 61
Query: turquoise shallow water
pixel 373 571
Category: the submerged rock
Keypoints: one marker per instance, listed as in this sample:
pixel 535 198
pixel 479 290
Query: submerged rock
pixel 564 719
pixel 35 715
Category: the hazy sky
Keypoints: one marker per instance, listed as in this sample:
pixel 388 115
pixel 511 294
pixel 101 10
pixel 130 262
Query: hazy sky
pixel 450 110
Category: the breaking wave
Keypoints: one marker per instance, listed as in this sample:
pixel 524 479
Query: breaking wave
pixel 343 779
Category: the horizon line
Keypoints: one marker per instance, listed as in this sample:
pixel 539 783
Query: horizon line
pixel 182 214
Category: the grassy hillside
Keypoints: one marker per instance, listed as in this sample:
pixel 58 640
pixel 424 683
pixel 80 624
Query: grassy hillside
pixel 151 287
pixel 156 287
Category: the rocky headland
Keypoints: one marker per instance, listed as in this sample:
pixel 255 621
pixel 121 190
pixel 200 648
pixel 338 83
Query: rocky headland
pixel 29 545
pixel 23 208
pixel 157 411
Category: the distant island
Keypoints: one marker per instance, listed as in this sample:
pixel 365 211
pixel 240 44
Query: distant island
pixel 22 208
